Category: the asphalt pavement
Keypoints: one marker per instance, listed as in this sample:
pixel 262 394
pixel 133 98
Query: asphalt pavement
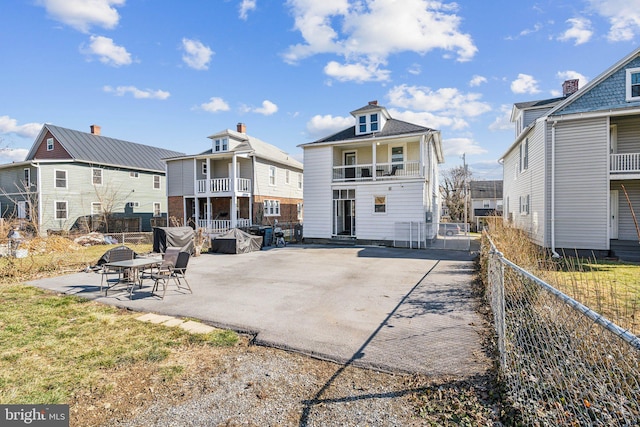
pixel 399 310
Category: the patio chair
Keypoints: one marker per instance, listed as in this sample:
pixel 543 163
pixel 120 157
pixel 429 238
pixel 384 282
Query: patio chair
pixel 120 253
pixel 169 257
pixel 175 273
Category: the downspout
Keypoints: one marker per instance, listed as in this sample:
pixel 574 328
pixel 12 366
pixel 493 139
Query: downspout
pixel 553 190
pixel 39 198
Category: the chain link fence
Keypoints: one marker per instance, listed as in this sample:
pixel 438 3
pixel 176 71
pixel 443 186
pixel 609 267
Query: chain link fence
pixel 562 363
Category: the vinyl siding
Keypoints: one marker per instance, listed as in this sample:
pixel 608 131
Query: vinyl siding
pixel 318 202
pixel 530 183
pixel 582 189
pixel 405 202
pixel 118 189
pixel 180 178
pixel 281 189
pixel 628 130
pixel 626 225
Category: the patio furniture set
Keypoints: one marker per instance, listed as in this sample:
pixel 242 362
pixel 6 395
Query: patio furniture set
pixel 128 269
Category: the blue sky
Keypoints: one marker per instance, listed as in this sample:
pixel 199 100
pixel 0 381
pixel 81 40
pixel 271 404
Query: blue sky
pixel 171 73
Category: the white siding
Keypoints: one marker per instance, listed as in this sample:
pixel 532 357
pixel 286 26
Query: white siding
pixel 318 202
pixel 262 187
pixel 626 225
pixel 405 202
pixel 582 185
pixel 527 183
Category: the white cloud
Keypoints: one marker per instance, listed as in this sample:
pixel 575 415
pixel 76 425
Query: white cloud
pixel 9 125
pixel 197 55
pixel 448 101
pixel 477 80
pixel 415 69
pixel 83 14
pixel 8 155
pixel 525 84
pixel 268 108
pixel 430 120
pixel 460 146
pixel 623 16
pixel 245 7
pixel 570 75
pixel 320 126
pixel 358 73
pixel 346 29
pixel 580 31
pixel 107 52
pixel 137 93
pixel 503 121
pixel 214 105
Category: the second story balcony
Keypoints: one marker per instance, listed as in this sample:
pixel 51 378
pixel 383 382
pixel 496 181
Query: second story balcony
pixel 379 171
pixel 624 164
pixel 223 186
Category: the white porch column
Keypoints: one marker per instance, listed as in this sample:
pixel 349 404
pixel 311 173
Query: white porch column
pixel 374 149
pixel 209 213
pixel 197 212
pixel 234 195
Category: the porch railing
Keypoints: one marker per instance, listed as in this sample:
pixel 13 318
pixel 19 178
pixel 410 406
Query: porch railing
pixel 221 226
pixel 223 185
pixel 629 162
pixel 367 172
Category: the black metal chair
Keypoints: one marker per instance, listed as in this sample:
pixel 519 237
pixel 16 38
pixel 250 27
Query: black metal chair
pixel 121 253
pixel 175 273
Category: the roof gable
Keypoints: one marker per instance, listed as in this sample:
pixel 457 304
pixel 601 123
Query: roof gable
pixel 605 92
pixel 99 149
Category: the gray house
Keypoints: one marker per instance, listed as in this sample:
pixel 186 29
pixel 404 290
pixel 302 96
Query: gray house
pixel 75 179
pixel 486 201
pixel 574 162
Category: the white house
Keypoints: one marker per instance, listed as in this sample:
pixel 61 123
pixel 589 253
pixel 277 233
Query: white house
pixel 240 181
pixel 374 182
pixel 574 162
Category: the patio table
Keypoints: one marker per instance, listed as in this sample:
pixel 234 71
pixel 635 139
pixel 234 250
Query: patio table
pixel 133 266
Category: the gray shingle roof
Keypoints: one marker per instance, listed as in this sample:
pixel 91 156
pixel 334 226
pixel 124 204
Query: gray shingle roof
pixel 108 151
pixel 543 102
pixel 391 128
pixel 486 189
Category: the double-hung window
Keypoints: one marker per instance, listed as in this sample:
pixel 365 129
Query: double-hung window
pixel 96 176
pixel 60 178
pixel 156 209
pixel 524 205
pixel 633 84
pixel 61 210
pixel 49 144
pixel 156 182
pixel 27 178
pixel 362 121
pixel 272 208
pixel 96 208
pixel 374 122
pixel 272 175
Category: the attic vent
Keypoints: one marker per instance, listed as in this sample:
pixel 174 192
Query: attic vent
pixel 569 87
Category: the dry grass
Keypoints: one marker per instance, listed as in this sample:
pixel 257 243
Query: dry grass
pixel 608 287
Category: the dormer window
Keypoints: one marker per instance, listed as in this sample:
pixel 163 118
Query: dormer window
pixel 221 144
pixel 363 124
pixel 368 123
pixel 633 84
pixel 374 123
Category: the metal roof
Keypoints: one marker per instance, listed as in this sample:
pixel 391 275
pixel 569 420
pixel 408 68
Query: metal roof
pixel 100 149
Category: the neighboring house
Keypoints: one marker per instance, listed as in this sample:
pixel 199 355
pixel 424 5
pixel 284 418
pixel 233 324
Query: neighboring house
pixel 376 181
pixel 76 179
pixel 564 174
pixel 486 200
pixel 241 181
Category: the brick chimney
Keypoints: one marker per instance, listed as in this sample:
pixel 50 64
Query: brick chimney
pixel 373 102
pixel 242 128
pixel 569 87
pixel 95 129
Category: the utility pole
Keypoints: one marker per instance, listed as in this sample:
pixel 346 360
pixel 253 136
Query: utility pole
pixel 464 189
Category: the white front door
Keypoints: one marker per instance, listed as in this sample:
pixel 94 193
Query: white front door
pixel 613 214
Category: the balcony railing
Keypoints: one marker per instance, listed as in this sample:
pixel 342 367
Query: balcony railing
pixel 625 163
pixel 221 226
pixel 223 185
pixel 381 171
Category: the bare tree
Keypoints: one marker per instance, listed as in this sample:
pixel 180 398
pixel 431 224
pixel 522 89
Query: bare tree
pixel 109 197
pixel 453 191
pixel 25 207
